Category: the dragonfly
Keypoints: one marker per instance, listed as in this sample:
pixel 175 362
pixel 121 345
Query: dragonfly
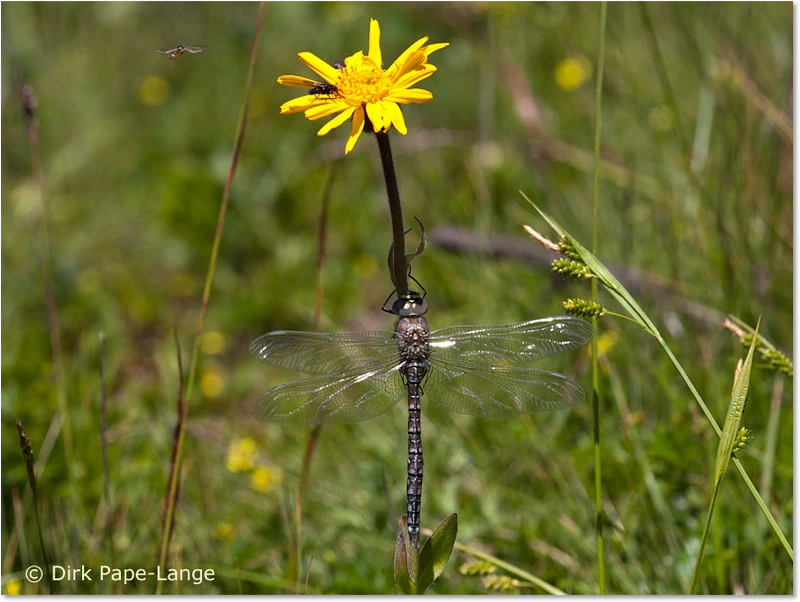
pixel 181 49
pixel 475 370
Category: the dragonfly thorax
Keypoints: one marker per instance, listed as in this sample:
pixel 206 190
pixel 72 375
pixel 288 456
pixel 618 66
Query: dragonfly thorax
pixel 413 334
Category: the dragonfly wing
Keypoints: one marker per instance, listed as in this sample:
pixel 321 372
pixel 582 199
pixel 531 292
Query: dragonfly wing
pixel 196 49
pixel 165 50
pixel 336 399
pixel 318 353
pixel 512 344
pixel 499 391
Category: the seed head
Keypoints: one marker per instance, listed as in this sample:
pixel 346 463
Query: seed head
pixel 27 453
pixel 478 567
pixel 28 100
pixel 583 308
pixel 571 268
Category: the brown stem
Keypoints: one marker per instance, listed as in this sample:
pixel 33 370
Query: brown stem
pixel 399 268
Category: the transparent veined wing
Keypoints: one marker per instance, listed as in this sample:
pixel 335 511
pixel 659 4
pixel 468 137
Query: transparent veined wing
pixel 196 49
pixel 498 391
pixel 333 399
pixel 166 50
pixel 510 344
pixel 319 353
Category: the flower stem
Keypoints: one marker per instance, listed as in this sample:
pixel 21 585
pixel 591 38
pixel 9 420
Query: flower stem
pixel 399 268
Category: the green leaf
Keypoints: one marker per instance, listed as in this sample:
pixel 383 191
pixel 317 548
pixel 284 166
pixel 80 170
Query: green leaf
pixel 406 561
pixel 733 420
pixel 436 551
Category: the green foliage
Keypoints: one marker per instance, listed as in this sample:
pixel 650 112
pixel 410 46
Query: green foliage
pixel 133 191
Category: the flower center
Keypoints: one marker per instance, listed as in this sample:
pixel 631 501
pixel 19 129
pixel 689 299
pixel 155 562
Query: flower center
pixel 362 81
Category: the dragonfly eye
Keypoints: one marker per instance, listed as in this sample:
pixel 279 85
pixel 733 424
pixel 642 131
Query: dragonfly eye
pixel 411 304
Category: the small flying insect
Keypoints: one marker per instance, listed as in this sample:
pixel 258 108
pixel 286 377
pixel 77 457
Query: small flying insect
pixel 181 49
pixel 323 89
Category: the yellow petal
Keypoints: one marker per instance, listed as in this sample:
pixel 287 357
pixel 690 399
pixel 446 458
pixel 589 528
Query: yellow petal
pixel 431 48
pixel 396 116
pixel 403 97
pixel 329 108
pixel 336 121
pixel 328 72
pixel 296 81
pixel 376 116
pixel 301 103
pixel 355 131
pixel 411 78
pixel 375 42
pixel 408 51
pixel 354 60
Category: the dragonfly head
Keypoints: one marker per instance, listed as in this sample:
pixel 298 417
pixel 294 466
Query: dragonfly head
pixel 410 304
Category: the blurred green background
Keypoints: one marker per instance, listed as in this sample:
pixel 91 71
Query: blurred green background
pixel 695 209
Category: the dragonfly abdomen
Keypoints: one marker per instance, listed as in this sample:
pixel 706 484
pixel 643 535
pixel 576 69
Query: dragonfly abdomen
pixel 414 372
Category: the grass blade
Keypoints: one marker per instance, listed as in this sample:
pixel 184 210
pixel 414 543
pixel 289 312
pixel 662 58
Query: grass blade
pixel 598 479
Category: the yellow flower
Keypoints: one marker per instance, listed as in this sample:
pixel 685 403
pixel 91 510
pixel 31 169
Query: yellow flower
pixel 264 478
pixel 213 342
pixel 223 531
pixel 363 88
pixel 572 72
pixel 154 90
pixel 211 383
pixel 241 455
pixel 13 587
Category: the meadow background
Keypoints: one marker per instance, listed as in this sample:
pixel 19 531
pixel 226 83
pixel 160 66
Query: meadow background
pixel 695 217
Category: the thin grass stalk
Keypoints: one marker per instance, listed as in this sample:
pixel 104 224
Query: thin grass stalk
pixel 699 561
pixel 308 575
pixel 42 246
pixel 108 530
pixel 167 538
pixel 598 480
pixel 237 147
pixel 319 295
pixel 770 449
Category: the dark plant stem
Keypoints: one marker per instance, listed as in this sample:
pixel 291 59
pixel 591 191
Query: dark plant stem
pixel 399 269
pixel 27 453
pixel 166 539
pixel 172 492
pixel 109 533
pixel 42 246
